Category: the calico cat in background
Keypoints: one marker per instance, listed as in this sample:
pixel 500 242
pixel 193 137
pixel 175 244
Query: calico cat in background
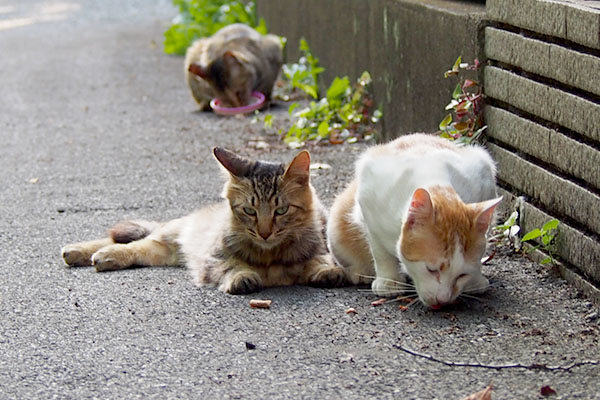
pixel 231 64
pixel 269 231
pixel 418 206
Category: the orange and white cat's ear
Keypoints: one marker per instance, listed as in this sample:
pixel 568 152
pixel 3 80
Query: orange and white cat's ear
pixel 420 209
pixel 486 214
pixel 299 168
pixel 197 69
pixel 236 165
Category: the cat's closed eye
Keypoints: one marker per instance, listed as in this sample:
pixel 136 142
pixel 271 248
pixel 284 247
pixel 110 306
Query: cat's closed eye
pixel 432 270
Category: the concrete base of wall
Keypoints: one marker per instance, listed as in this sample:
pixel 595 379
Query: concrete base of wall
pixel 406 45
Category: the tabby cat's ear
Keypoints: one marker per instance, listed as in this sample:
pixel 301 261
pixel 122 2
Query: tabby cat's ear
pixel 486 214
pixel 197 69
pixel 236 165
pixel 299 168
pixel 420 209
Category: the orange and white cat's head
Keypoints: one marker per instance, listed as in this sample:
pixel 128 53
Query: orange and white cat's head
pixel 230 76
pixel 269 201
pixel 442 242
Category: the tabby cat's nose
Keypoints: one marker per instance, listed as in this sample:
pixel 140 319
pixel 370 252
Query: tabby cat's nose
pixel 265 235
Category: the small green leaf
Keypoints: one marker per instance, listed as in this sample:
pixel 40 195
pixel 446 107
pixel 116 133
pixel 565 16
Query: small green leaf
pixel 323 129
pixel 457 63
pixel 268 121
pixel 445 122
pixel 546 260
pixel 457 92
pixel 365 79
pixel 546 239
pixel 292 107
pixel 262 27
pixel 338 87
pixel 534 234
pixel 552 224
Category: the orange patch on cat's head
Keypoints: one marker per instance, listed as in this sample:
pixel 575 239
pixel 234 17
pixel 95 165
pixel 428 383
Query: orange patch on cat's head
pixel 434 234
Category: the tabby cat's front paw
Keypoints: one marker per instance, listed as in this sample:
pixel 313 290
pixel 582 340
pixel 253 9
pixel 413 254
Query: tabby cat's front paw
pixel 387 287
pixel 241 282
pixel 76 256
pixel 328 277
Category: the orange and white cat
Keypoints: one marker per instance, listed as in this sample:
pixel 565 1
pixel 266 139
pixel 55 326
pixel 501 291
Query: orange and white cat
pixel 418 206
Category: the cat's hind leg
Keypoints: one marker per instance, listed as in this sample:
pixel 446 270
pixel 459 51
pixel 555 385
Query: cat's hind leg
pixel 147 252
pixel 80 254
pixel 155 247
pixel 347 241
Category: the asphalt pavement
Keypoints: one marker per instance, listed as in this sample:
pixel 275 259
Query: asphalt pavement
pixel 97 125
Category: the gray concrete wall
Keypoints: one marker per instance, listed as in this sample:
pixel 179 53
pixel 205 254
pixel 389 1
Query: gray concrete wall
pixel 406 45
pixel 543 92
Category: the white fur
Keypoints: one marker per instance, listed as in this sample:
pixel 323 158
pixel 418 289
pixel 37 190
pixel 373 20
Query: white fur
pixel 386 183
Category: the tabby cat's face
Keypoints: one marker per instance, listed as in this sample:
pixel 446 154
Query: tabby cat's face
pixel 269 203
pixel 267 210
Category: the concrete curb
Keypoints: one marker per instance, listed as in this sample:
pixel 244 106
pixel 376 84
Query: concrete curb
pixel 554 105
pixel 573 20
pixel 548 145
pixel 567 66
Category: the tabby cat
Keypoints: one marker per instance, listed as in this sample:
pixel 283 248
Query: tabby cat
pixel 231 64
pixel 269 231
pixel 418 206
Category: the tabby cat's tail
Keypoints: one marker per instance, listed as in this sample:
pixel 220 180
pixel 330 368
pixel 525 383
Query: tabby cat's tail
pixel 130 231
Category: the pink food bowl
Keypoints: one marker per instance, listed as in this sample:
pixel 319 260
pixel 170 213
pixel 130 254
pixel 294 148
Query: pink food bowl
pixel 257 100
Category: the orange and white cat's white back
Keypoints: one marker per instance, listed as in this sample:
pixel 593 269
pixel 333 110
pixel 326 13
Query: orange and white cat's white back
pixel 419 206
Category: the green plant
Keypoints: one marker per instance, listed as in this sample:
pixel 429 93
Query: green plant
pixel 202 18
pixel 344 115
pixel 465 123
pixel 304 74
pixel 546 235
pixel 507 232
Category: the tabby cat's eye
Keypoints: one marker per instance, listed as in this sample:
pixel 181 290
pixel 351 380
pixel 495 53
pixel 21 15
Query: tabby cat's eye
pixel 249 211
pixel 281 210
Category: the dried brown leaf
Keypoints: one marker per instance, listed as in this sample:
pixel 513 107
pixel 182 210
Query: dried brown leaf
pixel 485 394
pixel 547 391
